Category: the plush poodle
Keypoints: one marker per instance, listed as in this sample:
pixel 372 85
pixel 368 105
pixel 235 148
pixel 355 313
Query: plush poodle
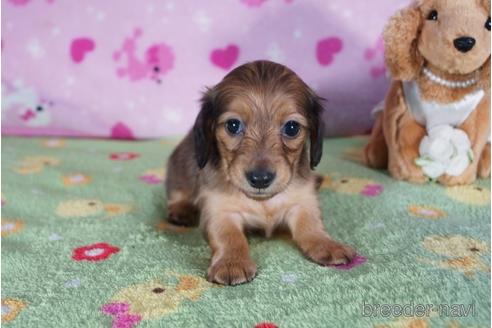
pixel 435 122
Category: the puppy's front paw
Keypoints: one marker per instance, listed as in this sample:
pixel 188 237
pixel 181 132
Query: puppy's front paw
pixel 232 271
pixel 330 252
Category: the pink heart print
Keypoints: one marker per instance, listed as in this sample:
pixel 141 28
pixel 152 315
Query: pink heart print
pixel 372 52
pixel 226 57
pixel 121 131
pixel 253 3
pixel 19 2
pixel 378 71
pixel 327 48
pixel 80 47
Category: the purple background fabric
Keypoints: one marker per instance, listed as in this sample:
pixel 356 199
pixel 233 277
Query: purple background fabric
pixel 88 67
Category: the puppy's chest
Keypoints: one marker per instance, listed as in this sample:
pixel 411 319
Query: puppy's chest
pixel 265 214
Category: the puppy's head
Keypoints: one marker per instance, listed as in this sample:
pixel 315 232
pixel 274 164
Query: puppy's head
pixel 254 127
pixel 452 35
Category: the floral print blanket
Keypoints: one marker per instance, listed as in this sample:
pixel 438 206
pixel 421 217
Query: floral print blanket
pixel 85 244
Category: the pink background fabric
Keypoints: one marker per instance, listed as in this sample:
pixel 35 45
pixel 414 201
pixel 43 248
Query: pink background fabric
pixel 136 69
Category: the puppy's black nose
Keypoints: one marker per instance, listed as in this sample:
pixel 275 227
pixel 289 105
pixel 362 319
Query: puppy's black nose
pixel 464 44
pixel 260 179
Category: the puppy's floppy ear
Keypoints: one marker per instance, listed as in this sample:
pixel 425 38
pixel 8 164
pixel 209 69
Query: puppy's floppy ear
pixel 401 43
pixel 316 129
pixel 204 130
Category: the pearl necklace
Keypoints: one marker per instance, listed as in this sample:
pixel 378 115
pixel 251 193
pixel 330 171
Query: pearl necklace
pixel 446 83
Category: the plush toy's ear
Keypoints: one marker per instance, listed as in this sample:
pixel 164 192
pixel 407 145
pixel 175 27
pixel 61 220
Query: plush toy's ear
pixel 400 41
pixel 316 130
pixel 204 130
pixel 486 4
pixel 484 80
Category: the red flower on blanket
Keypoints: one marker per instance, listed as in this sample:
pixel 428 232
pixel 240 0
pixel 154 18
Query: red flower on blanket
pixel 123 156
pixel 94 252
pixel 266 325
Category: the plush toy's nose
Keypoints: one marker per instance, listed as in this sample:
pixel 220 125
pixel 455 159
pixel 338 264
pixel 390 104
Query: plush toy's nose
pixel 464 44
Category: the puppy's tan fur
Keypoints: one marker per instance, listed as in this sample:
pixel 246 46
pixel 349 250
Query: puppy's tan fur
pixel 206 172
pixel 411 43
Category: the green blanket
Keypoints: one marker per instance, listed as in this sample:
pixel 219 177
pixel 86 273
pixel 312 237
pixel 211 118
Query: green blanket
pixel 85 244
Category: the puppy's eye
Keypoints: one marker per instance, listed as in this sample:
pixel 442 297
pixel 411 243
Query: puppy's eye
pixel 291 129
pixel 234 126
pixel 487 24
pixel 432 15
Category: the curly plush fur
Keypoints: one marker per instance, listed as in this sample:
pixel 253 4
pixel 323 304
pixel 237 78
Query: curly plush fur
pixel 412 42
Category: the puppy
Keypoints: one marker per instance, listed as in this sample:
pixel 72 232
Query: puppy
pixel 247 164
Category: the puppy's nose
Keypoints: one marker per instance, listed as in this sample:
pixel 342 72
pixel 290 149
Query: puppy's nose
pixel 464 44
pixel 260 179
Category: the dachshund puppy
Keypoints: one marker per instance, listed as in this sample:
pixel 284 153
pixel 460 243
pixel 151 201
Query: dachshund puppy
pixel 247 164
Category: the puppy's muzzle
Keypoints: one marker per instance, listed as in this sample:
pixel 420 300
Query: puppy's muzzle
pixel 260 179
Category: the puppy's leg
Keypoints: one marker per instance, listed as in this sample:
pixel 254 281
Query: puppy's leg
pixel 181 185
pixel 180 209
pixel 231 263
pixel 308 232
pixel 484 164
pixel 376 151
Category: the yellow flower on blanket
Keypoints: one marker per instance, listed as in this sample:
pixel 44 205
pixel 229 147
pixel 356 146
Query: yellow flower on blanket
pixel 114 209
pixel 168 227
pixel 53 143
pixel 35 164
pixel 426 212
pixel 405 323
pixel 471 195
pixel 461 253
pixel 11 308
pixel 11 226
pixel 80 208
pixel 353 186
pixel 155 299
pixel 76 179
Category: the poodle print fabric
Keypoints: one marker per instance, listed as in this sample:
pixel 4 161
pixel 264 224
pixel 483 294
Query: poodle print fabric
pixel 135 69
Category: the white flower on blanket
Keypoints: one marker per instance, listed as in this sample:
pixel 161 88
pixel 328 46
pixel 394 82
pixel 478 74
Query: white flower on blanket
pixel 445 150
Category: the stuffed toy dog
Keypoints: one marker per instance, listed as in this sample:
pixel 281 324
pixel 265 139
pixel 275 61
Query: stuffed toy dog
pixel 435 121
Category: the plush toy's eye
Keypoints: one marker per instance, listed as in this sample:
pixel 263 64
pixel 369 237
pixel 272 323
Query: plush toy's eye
pixel 39 108
pixel 234 126
pixel 291 129
pixel 432 15
pixel 487 24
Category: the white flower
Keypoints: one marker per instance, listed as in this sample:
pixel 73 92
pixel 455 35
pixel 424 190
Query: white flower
pixel 444 150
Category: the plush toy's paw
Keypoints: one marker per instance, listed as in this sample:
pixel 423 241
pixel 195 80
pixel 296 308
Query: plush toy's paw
pixel 467 177
pixel 330 252
pixel 229 271
pixel 375 155
pixel 484 163
pixel 408 172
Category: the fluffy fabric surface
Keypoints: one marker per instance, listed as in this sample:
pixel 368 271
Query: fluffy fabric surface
pixel 85 244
